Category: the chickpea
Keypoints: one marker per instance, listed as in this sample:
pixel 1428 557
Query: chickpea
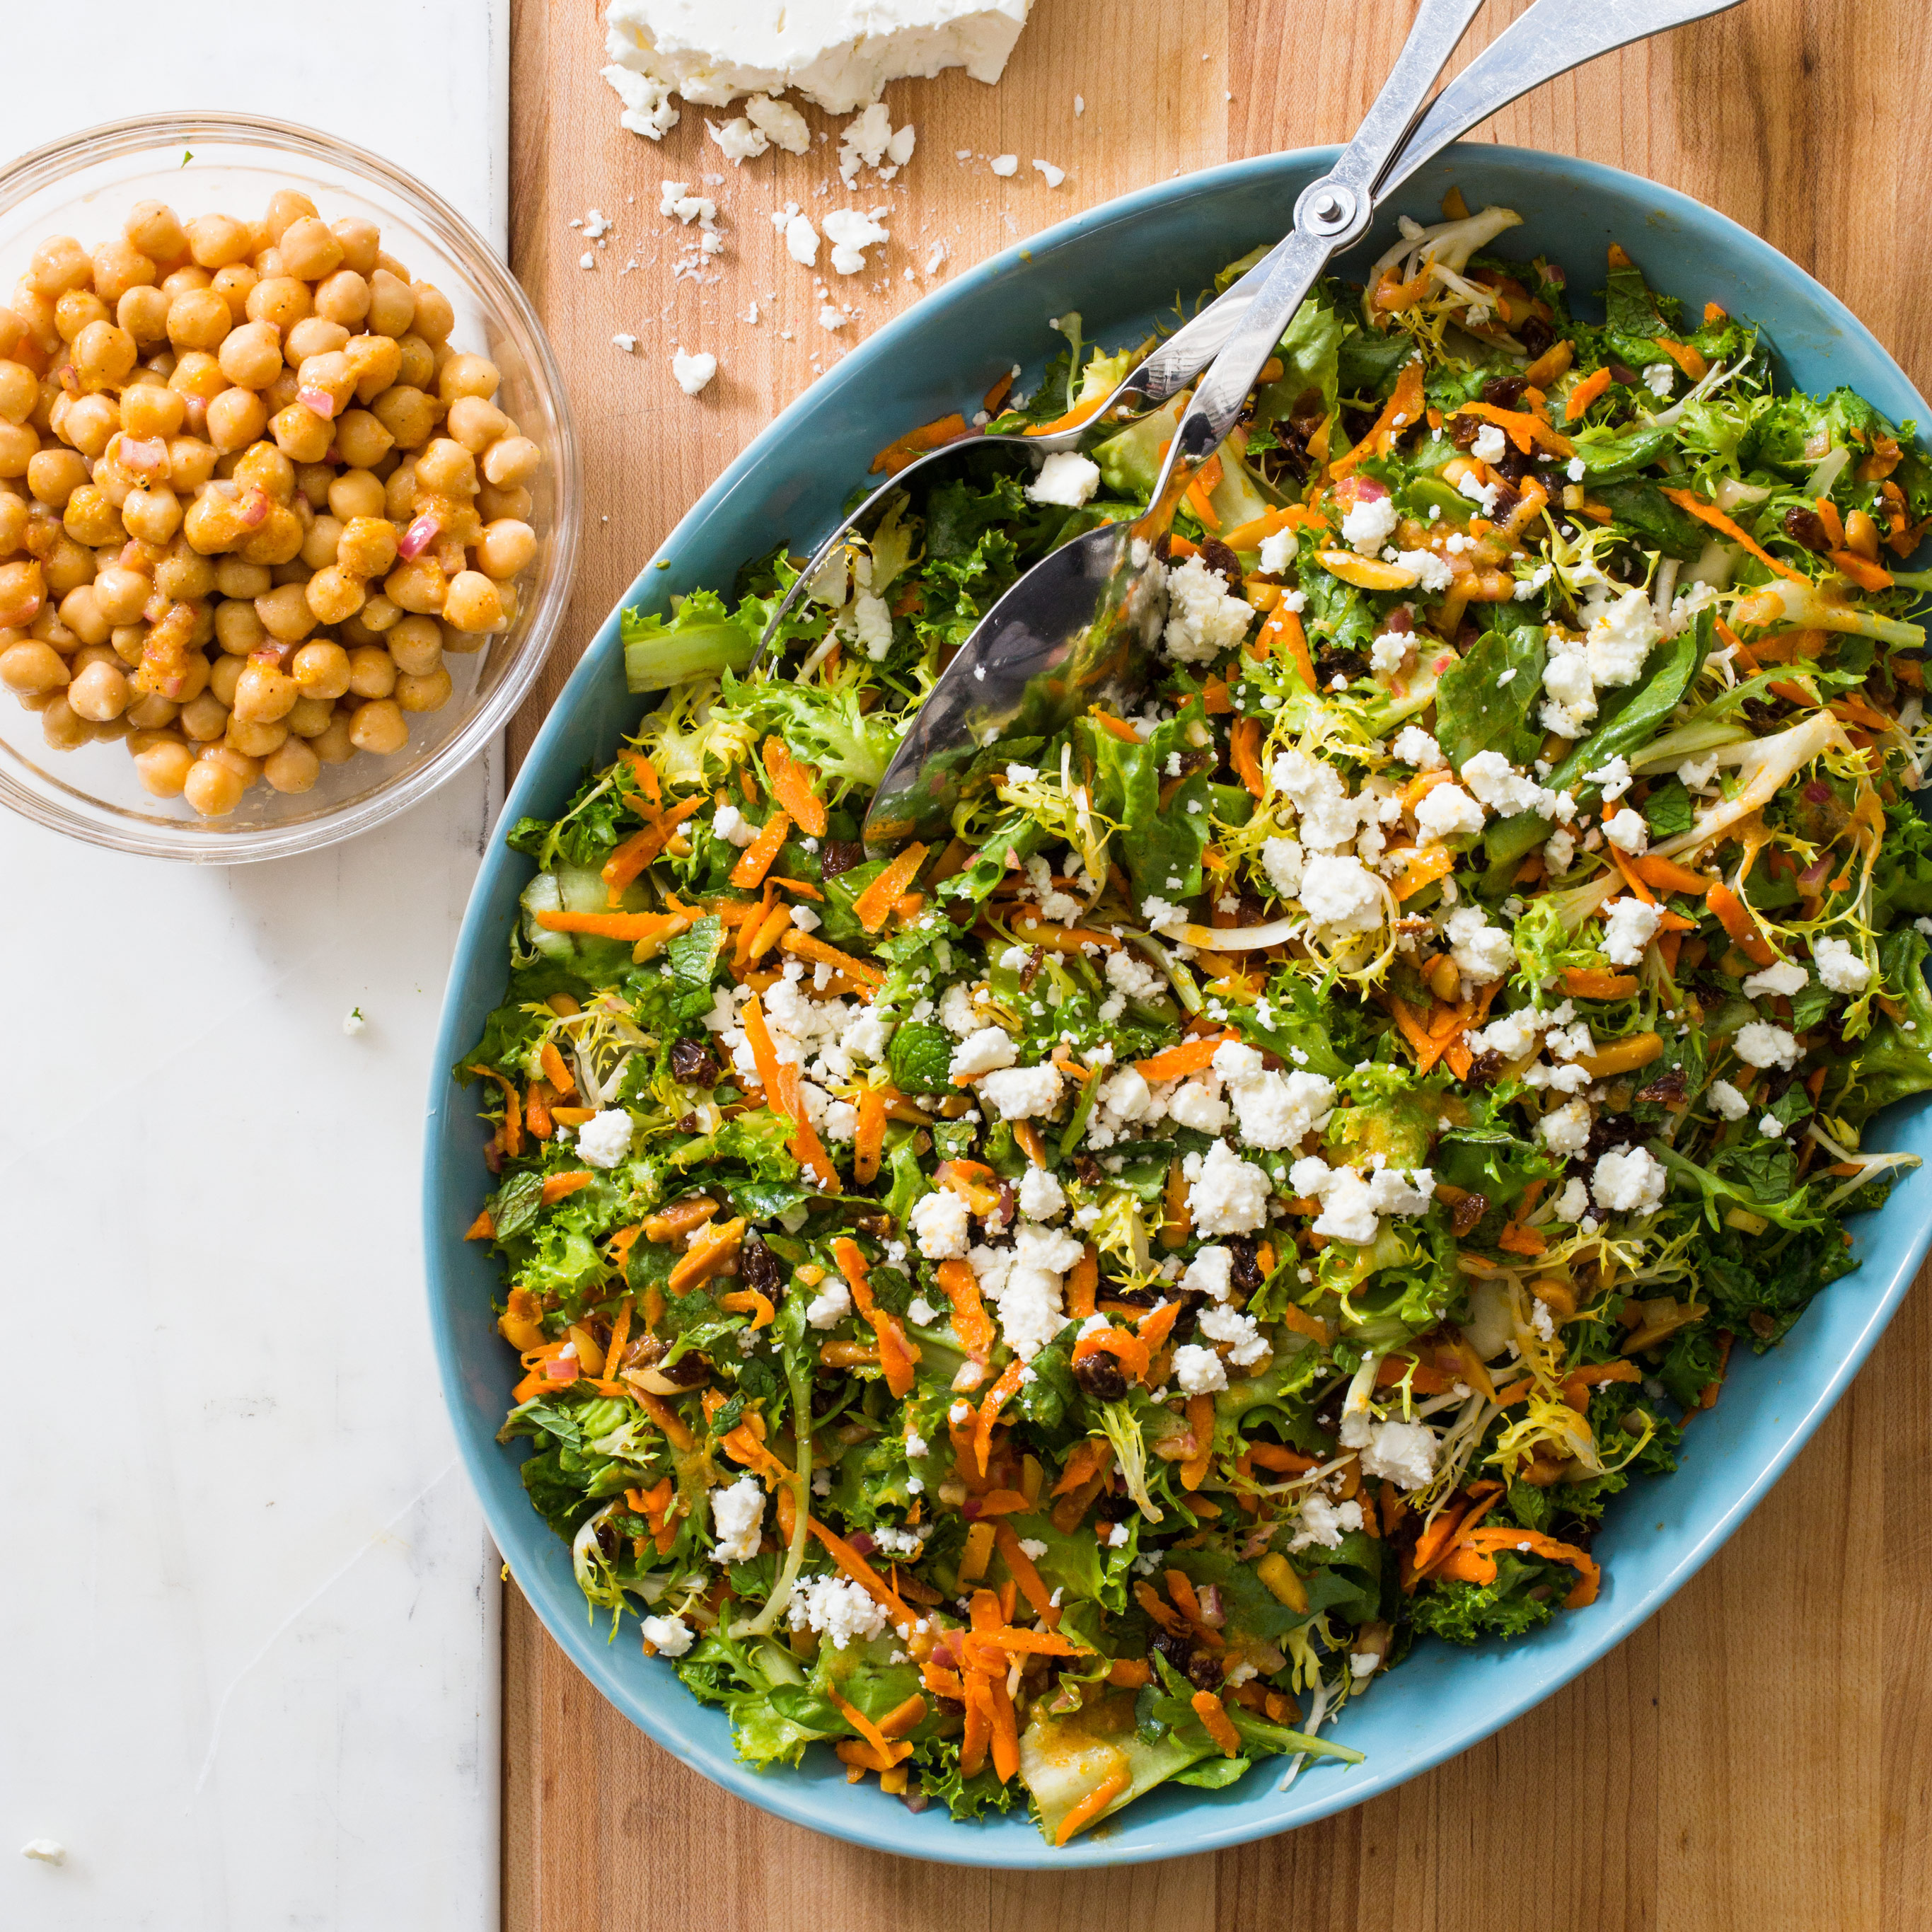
pixel 63 727
pixel 508 547
pixel 47 628
pixel 154 515
pixel 151 712
pixel 335 595
pixel 418 585
pixel 118 266
pixel 511 462
pixel 80 612
pixel 204 716
pixel 234 284
pixel 238 629
pixel 35 312
pixel 312 482
pixel 236 418
pixel 152 409
pixel 308 715
pixel 360 241
pixel 143 313
pixel 23 590
pixel 78 309
pixel 446 469
pixel 251 356
pixel 66 564
pixel 198 319
pixel 372 671
pixel 333 744
pixel 407 414
pixel 87 654
pixel 19 443
pixel 356 493
pixel 361 440
pixel 264 468
pixel 309 249
pixel 191 461
pixel 377 362
pixel 473 603
pixel 216 240
pixel 313 336
pixel 262 694
pixel 343 297
pixel 418 367
pixel 281 301
pixel 213 788
pixel 163 768
pixel 103 354
pixel 30 666
pixel 379 616
pixel 435 317
pixel 285 613
pixel 184 576
pixel 18 392
pixel 89 423
pixel 399 493
pixel 321 669
pixel 319 545
pixel 100 692
pixel 197 376
pixel 224 675
pixel 59 263
pixel 185 281
pixel 427 691
pixel 392 305
pixel 292 765
pixel 301 435
pixel 90 518
pixel 476 424
pixel 121 595
pixel 54 475
pixel 379 727
pixel 154 228
pixel 367 547
pixel 278 540
pixel 244 582
pixel 416 644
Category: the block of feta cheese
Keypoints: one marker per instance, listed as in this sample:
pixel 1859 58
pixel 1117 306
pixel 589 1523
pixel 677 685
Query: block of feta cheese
pixel 840 53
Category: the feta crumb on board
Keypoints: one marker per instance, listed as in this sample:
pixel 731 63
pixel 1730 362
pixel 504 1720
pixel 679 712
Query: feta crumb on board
pixel 693 372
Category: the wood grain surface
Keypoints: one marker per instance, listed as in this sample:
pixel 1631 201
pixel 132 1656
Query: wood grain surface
pixel 1760 1754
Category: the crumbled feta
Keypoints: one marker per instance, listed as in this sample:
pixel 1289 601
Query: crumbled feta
pixel 850 234
pixel 737 1513
pixel 1228 1195
pixel 1368 522
pixel 1500 786
pixel 801 241
pixel 1559 852
pixel 1204 617
pixel 1482 951
pixel 983 1052
pixel 1490 446
pixel 1629 926
pixel 1414 746
pixel 1342 895
pixel 1051 175
pixel 1211 1272
pixel 1240 1334
pixel 693 372
pixel 1024 1283
pixel 1573 1202
pixel 1128 973
pixel 1446 812
pixel 1348 1209
pixel 604 1139
pixel 1627 831
pixel 1282 860
pixel 1401 1452
pixel 1728 1101
pixel 1840 969
pixel 1565 1130
pixel 1325 1523
pixel 1066 477
pixel 352 1022
pixel 1199 1371
pixel 842 1612
pixel 1782 977
pixel 941 1226
pixel 1759 1044
pixel 1198 1104
pixel 1431 572
pixel 780 122
pixel 1004 165
pixel 1041 1195
pixel 1660 378
pixel 669 1637
pixel 740 140
pixel 1629 1180
pixel 1620 632
pixel 627 343
pixel 830 1305
pixel 1022 1093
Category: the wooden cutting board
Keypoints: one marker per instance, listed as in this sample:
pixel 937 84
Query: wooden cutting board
pixel 1760 1754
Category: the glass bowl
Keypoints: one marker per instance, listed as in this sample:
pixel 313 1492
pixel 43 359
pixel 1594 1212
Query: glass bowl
pixel 84 186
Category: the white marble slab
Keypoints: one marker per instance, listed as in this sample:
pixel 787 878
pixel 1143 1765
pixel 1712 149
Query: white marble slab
pixel 247 1613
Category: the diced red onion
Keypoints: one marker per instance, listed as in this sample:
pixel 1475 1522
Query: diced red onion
pixel 1208 1596
pixel 1398 621
pixel 419 535
pixel 318 402
pixel 861 1541
pixel 914 1799
pixel 140 455
pixel 1367 490
pixel 255 508
pixel 1817 792
pixel 561 1369
pixel 1815 874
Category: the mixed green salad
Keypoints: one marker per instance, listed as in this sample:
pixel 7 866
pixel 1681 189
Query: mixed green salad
pixel 1066 1307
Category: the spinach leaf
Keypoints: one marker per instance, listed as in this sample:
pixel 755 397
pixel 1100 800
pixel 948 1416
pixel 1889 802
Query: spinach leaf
pixel 1486 701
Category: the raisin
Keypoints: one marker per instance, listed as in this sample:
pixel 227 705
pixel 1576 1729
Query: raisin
pixel 1334 661
pixel 1087 1170
pixel 1245 1272
pixel 1179 1651
pixel 1216 556
pixel 1203 1671
pixel 1029 972
pixel 1484 1067
pixel 695 1064
pixel 1467 1211
pixel 1808 527
pixel 1504 392
pixel 1463 430
pixel 1622 372
pixel 1666 1090
pixel 758 1268
pixel 1101 1377
pixel 1535 334
pixel 840 855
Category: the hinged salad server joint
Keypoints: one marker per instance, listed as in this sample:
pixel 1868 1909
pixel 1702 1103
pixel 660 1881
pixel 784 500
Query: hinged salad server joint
pixel 1082 623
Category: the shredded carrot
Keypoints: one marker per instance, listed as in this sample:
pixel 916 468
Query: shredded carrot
pixel 989 1412
pixel 1523 429
pixel 1735 918
pixel 1085 1461
pixel 1708 512
pixel 1470 1561
pixel 756 860
pixel 1214 1718
pixel 1083 1282
pixel 1403 410
pixel 1426 864
pixel 1020 1565
pixel 483 1228
pixel 898 454
pixel 644 925
pixel 639 850
pixel 666 1418
pixel 1596 982
pixel 1093 1805
pixel 861 1573
pixel 510 1133
pixel 1686 357
pixel 1244 740
pixel 1002 388
pixel 1155 1326
pixel 1115 728
pixel 809 945
pixel 1129 1349
pixel 1288 1461
pixel 874 906
pixel 791 786
pixel 1667 876
pixel 1201 1422
pixel 1583 393
pixel 1866 574
pixel 1080 413
pixel 557 1186
pixel 1284 627
pixel 556 1070
pixel 898 1357
pixel 868 1140
pixel 1176 1063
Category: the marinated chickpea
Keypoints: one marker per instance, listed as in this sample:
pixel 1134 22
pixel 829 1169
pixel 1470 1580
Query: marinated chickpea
pixel 99 693
pixel 213 788
pixel 427 691
pixel 379 727
pixel 218 431
pixel 163 768
pixel 154 228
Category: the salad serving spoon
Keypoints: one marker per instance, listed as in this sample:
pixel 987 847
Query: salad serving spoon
pixel 1084 619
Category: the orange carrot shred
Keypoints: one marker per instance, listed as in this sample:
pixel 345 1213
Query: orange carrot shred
pixel 873 906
